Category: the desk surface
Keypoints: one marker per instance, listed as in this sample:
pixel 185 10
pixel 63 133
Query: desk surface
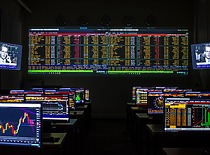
pixel 71 122
pixel 131 103
pixel 186 151
pixel 139 108
pixel 156 128
pixel 61 137
pixel 77 112
pixel 82 106
pixel 142 115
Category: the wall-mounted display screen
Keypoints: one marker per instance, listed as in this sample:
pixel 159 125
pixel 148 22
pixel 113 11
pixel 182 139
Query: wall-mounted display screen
pixel 200 56
pixel 108 51
pixel 10 56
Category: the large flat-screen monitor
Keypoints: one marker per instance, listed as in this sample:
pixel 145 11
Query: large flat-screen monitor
pixel 10 56
pixel 21 124
pixel 200 54
pixel 100 51
pixel 183 114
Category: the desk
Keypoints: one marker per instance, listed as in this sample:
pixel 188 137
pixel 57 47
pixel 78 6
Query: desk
pixel 49 147
pixel 128 112
pixel 186 151
pixel 54 148
pixel 87 114
pixel 76 113
pixel 132 119
pixel 157 138
pixel 142 119
pixel 82 126
pixel 71 128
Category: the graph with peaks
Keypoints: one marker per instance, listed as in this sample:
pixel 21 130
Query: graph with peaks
pixel 201 116
pixel 19 122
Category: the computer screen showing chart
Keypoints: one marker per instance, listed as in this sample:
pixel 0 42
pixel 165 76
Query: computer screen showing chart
pixel 186 114
pixel 71 94
pixel 21 124
pixel 55 106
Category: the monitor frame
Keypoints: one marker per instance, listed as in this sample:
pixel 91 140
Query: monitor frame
pixel 186 109
pixel 24 138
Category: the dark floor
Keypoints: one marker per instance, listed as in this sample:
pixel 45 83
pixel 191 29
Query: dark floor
pixel 108 137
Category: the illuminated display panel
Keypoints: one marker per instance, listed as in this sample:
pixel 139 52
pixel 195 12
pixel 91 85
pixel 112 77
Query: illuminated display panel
pixel 200 54
pixel 142 94
pixel 10 56
pixel 21 124
pixel 79 96
pixel 26 91
pixel 87 95
pixel 186 114
pixel 64 91
pixel 55 106
pixel 12 98
pixel 198 94
pixel 108 51
pixel 155 104
pixel 133 95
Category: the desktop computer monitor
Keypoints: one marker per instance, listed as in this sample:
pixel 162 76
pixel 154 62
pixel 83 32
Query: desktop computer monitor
pixel 155 100
pixel 142 93
pixel 21 124
pixel 184 114
pixel 133 95
pixel 12 98
pixel 55 106
pixel 79 96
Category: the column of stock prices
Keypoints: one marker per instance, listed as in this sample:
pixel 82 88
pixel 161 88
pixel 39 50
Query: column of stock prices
pixel 113 51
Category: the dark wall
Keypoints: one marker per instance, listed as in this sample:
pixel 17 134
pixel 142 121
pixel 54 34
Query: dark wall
pixel 10 31
pixel 167 13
